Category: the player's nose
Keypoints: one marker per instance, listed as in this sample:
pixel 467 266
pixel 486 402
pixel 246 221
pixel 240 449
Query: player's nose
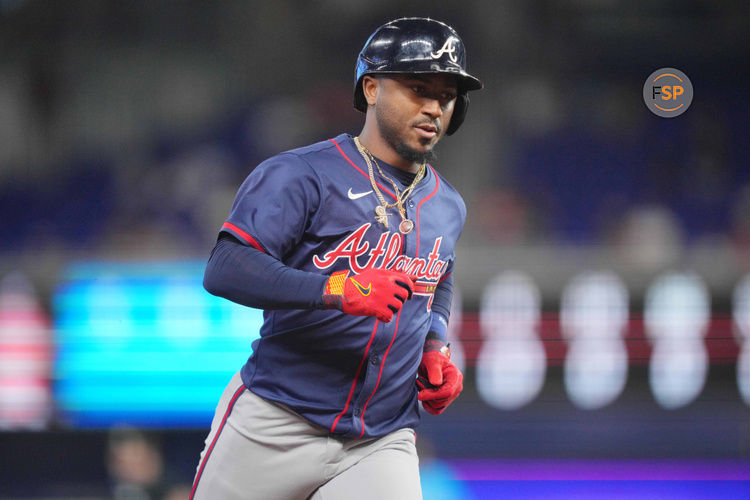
pixel 432 108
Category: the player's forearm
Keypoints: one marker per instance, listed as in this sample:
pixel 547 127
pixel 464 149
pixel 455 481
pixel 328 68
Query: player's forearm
pixel 252 278
pixel 441 310
pixel 441 301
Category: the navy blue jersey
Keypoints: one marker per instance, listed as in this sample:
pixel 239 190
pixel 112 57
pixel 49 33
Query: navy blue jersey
pixel 313 209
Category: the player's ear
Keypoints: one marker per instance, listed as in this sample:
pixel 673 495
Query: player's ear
pixel 370 87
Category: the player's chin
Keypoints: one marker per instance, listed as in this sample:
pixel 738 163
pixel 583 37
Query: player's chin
pixel 425 144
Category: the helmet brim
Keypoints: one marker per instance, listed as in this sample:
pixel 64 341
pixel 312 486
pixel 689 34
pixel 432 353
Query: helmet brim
pixel 465 82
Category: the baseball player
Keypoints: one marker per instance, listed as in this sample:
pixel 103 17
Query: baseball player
pixel 348 246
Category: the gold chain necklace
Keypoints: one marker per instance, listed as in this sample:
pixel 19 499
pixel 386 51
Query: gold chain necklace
pixel 381 211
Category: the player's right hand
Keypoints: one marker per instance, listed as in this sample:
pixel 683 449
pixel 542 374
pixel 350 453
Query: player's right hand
pixel 375 292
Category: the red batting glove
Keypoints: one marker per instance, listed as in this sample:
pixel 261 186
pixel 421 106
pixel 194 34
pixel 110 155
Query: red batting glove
pixel 374 292
pixel 439 380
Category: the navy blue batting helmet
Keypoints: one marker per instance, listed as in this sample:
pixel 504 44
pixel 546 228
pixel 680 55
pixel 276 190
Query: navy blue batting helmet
pixel 416 45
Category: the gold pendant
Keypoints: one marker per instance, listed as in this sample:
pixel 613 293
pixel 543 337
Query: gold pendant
pixel 406 226
pixel 381 216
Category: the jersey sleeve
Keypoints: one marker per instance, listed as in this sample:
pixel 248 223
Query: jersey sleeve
pixel 275 205
pixel 443 297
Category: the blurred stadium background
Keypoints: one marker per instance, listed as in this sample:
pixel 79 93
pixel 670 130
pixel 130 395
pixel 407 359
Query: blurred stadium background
pixel 603 318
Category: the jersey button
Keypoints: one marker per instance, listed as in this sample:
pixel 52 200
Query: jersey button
pixel 374 359
pixel 411 203
pixel 357 411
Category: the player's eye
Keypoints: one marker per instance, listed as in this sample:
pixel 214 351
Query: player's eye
pixel 418 89
pixel 446 98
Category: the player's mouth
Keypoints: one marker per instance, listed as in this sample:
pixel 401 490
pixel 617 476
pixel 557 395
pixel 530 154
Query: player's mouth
pixel 426 130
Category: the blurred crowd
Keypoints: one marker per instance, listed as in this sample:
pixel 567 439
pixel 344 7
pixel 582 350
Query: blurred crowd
pixel 126 127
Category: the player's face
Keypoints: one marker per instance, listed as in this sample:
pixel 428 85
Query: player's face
pixel 413 112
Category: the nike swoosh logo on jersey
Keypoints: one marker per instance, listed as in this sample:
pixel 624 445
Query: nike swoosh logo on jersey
pixel 364 291
pixel 356 196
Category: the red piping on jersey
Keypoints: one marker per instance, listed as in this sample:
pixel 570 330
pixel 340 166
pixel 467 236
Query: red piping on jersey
pixel 419 205
pixel 216 437
pixel 243 234
pixel 443 277
pixel 395 330
pixel 380 374
pixel 359 169
pixel 356 376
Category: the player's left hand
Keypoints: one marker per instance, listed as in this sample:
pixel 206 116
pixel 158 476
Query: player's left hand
pixel 439 380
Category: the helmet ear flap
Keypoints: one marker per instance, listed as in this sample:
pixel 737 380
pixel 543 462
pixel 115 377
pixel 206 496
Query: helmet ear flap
pixel 360 103
pixel 459 112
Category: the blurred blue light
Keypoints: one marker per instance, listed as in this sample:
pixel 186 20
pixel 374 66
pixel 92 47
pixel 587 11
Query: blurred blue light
pixel 144 344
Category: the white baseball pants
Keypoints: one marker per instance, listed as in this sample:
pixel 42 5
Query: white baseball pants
pixel 258 449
